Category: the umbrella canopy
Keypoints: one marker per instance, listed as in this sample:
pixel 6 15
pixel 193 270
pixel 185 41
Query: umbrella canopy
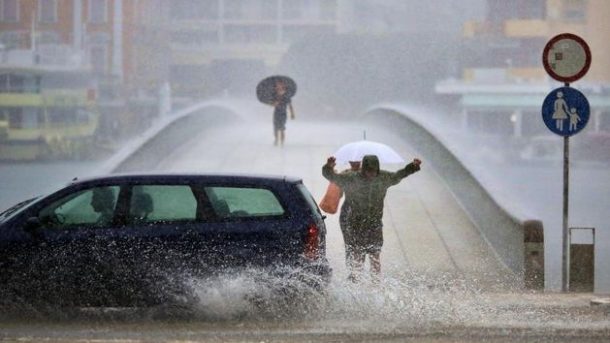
pixel 356 150
pixel 265 90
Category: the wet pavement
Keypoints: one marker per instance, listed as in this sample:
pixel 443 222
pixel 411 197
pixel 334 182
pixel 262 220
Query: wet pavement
pixel 422 310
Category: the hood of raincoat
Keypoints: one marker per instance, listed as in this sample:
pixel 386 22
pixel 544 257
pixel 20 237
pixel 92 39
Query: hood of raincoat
pixel 370 162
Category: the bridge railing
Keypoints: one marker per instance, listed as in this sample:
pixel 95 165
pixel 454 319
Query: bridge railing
pixel 171 131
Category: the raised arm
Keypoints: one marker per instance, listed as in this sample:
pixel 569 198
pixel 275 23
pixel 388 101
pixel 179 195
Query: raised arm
pixel 328 171
pixel 409 169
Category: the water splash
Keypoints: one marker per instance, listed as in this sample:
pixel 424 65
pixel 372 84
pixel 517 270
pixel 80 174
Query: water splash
pixel 255 295
pixel 409 302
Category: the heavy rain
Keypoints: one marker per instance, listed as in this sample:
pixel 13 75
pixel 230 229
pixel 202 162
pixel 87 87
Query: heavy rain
pixel 474 243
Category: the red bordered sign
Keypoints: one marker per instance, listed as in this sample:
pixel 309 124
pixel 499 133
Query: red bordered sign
pixel 566 57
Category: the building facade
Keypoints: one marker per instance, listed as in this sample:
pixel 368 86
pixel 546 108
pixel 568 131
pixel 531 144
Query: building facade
pixel 107 40
pixel 503 82
pixel 234 42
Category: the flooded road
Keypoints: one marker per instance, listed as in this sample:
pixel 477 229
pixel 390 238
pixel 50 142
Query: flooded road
pixel 416 311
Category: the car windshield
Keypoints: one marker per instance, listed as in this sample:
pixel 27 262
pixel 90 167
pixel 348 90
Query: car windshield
pixel 9 211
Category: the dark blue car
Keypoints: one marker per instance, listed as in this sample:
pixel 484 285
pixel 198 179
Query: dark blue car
pixel 133 239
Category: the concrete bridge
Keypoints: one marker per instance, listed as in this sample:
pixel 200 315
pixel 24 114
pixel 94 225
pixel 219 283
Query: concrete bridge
pixel 438 222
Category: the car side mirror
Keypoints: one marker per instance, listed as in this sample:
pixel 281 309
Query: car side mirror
pixel 32 224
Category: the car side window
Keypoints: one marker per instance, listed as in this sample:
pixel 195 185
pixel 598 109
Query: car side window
pixel 230 202
pixel 162 203
pixel 89 207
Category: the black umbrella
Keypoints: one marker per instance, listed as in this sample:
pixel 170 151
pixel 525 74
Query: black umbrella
pixel 265 91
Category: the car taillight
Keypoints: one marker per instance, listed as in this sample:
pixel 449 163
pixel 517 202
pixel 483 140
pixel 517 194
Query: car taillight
pixel 312 242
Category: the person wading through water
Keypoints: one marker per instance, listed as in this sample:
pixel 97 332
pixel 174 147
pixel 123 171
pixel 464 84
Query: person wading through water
pixel 364 194
pixel 330 203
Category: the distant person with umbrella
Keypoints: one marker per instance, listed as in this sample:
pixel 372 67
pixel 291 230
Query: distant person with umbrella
pixel 365 192
pixel 281 103
pixel 278 91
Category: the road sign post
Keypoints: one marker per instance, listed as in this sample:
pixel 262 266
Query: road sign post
pixel 565 111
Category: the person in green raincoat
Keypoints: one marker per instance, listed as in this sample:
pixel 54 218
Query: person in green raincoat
pixel 364 194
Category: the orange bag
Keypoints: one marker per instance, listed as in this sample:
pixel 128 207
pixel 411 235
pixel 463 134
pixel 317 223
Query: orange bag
pixel 330 200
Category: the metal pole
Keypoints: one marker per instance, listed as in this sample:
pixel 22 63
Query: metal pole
pixel 565 258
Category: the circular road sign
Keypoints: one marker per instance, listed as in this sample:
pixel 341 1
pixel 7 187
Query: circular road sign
pixel 565 111
pixel 566 57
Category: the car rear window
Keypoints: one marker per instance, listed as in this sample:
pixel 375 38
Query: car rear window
pixel 244 202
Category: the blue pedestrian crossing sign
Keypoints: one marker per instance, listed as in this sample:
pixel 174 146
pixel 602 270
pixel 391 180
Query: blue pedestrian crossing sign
pixel 565 111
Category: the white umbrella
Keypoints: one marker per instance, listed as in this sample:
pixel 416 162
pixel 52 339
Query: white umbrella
pixel 354 151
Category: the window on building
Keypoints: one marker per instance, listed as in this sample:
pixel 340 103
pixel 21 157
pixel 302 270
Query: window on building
pixel 250 34
pixel 195 37
pixel 194 9
pixel 22 117
pixel 293 9
pixel 249 10
pixel 14 39
pixel 9 10
pixel 14 117
pixel 501 10
pixel 17 83
pixel 47 11
pixel 47 37
pixel 4 83
pixel 209 9
pixel 528 53
pixel 574 10
pixel 184 37
pixel 98 11
pixel 99 60
pixel 236 34
pixel 269 9
pixel 32 117
pixel 328 9
pixel 292 33
pixel 234 9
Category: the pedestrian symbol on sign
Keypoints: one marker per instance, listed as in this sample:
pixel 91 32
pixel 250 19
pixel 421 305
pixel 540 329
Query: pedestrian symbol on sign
pixel 565 111
pixel 561 111
pixel 574 119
